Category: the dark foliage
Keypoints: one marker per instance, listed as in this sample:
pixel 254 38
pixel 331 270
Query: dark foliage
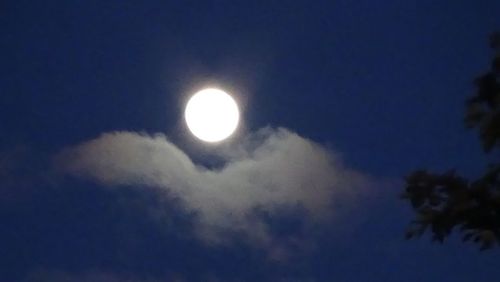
pixel 447 202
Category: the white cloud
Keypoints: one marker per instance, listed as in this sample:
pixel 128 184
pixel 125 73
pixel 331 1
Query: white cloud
pixel 272 171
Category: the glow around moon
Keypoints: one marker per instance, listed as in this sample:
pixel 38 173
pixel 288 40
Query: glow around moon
pixel 212 115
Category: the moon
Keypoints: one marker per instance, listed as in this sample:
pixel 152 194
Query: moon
pixel 212 115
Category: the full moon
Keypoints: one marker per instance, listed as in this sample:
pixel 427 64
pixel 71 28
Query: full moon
pixel 212 115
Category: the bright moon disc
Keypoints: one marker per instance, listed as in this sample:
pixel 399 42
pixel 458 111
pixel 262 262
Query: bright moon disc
pixel 212 115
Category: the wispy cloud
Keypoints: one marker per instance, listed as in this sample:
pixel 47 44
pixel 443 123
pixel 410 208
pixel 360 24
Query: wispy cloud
pixel 273 172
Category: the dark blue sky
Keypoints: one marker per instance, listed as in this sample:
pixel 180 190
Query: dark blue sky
pixel 382 84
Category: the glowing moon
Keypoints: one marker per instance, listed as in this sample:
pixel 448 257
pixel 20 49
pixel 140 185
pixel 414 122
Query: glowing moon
pixel 212 115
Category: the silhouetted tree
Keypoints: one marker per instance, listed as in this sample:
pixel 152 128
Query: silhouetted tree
pixel 447 202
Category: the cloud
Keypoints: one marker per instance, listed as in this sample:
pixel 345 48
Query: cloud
pixel 272 173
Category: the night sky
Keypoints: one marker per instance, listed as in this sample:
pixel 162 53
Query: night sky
pixel 100 179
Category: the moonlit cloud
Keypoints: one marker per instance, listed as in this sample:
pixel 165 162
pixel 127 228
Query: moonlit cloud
pixel 274 172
